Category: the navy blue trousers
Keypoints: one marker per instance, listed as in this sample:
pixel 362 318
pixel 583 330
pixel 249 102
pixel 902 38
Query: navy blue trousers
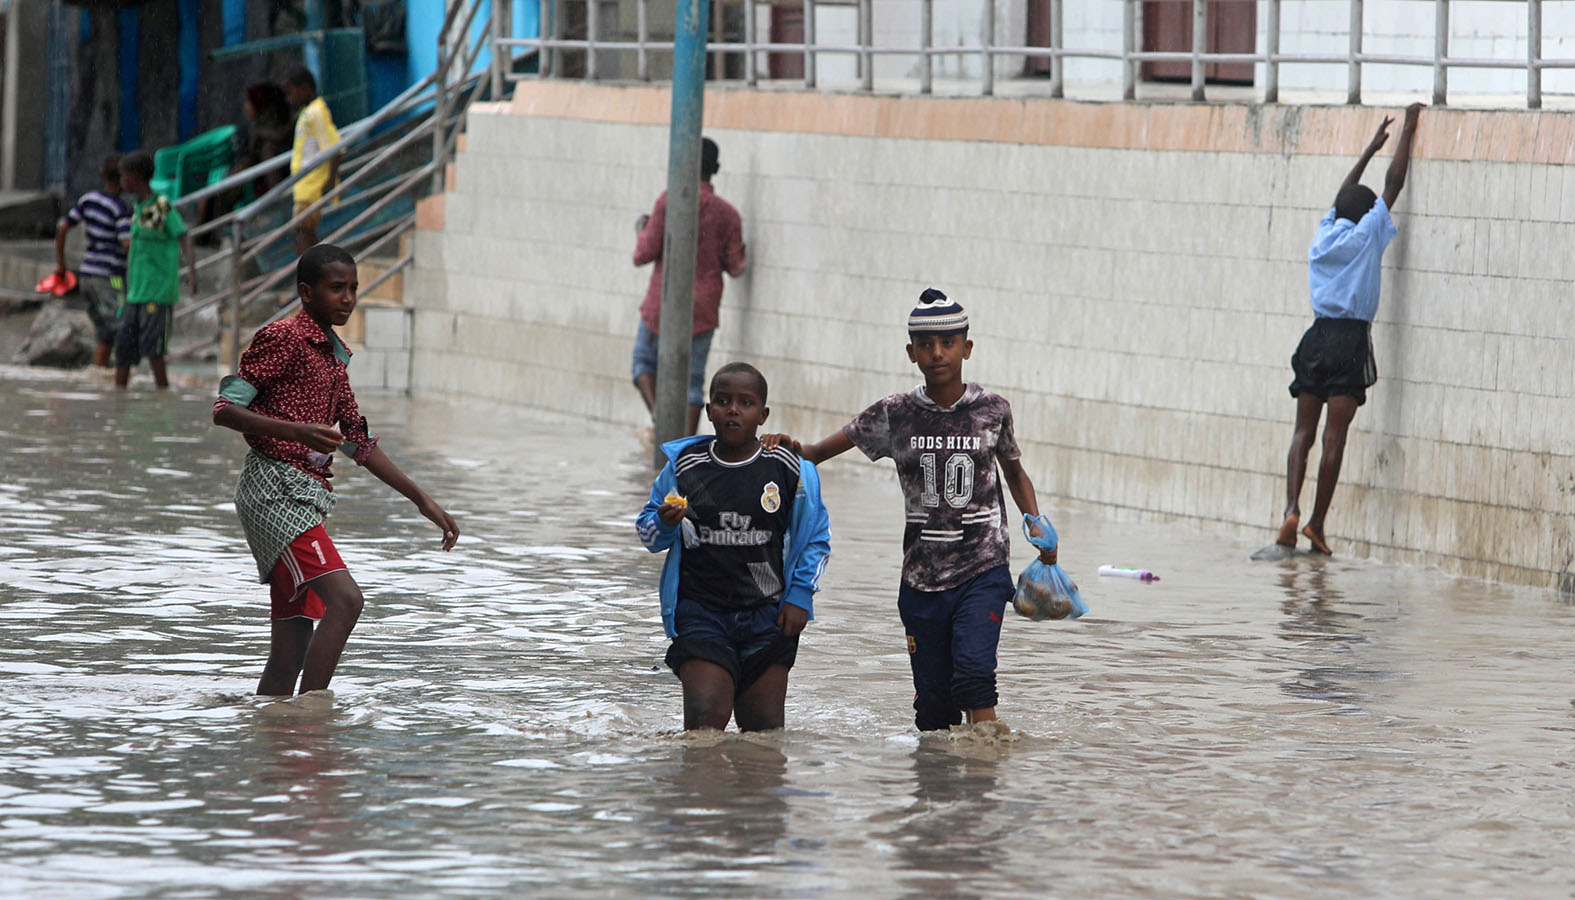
pixel 953 636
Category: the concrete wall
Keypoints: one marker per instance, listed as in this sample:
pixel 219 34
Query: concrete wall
pixel 1136 276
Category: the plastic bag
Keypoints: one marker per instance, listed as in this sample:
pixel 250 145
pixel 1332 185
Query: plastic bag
pixel 1043 591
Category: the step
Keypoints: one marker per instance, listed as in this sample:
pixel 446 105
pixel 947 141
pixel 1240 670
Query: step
pixel 372 268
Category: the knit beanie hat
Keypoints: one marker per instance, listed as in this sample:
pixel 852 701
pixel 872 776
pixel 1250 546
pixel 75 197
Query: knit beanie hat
pixel 935 314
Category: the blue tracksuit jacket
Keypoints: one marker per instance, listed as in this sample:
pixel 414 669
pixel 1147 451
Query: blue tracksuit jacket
pixel 807 546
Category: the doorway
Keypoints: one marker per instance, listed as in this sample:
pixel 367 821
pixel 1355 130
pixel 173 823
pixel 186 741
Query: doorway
pixel 1167 27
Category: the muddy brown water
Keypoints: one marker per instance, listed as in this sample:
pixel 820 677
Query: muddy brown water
pixel 502 725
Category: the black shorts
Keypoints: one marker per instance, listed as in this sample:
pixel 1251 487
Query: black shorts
pixel 144 332
pixel 745 642
pixel 1335 357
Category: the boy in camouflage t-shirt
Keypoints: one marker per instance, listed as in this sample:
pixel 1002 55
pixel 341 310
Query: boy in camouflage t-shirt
pixel 947 438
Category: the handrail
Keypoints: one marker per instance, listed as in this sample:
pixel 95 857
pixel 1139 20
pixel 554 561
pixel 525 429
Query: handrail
pixel 989 51
pixel 364 150
pixel 404 102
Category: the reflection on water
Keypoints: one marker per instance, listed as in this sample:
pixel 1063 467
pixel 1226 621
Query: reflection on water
pixel 502 724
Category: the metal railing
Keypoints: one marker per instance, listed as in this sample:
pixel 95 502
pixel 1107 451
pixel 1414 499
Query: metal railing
pixel 552 43
pixel 375 172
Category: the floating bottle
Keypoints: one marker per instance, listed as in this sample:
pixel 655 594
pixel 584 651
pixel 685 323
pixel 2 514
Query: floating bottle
pixel 1123 572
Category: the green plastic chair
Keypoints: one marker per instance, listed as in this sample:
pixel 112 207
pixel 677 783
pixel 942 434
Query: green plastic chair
pixel 205 159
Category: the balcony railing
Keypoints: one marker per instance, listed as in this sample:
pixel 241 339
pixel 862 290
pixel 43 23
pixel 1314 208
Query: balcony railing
pixel 596 43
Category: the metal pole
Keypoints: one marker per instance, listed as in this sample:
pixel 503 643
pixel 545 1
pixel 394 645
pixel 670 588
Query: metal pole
pixel 592 16
pixel 1353 81
pixel 500 53
pixel 866 38
pixel 986 54
pixel 1271 71
pixel 680 237
pixel 1128 72
pixel 237 279
pixel 751 75
pixel 926 40
pixel 440 111
pixel 13 53
pixel 1533 54
pixel 643 24
pixel 1200 43
pixel 809 43
pixel 556 53
pixel 1440 53
pixel 1057 43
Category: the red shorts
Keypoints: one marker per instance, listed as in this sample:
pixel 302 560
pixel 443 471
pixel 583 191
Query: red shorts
pixel 311 555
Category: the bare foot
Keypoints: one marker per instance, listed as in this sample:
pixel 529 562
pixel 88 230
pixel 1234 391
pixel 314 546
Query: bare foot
pixel 1287 536
pixel 1319 544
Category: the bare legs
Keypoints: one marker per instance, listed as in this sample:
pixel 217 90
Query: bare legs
pixel 1342 409
pixel 161 378
pixel 646 385
pixel 709 700
pixel 297 649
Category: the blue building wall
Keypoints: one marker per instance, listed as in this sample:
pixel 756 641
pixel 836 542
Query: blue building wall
pixel 423 19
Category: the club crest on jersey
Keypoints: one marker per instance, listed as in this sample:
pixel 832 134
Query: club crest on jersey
pixel 771 497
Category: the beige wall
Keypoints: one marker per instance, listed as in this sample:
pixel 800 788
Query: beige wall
pixel 1136 276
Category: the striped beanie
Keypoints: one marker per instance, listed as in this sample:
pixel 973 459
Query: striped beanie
pixel 935 314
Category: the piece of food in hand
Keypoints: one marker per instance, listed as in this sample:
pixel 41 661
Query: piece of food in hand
pixel 675 500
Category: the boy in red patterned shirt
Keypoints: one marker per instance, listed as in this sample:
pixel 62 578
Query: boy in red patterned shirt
pixel 292 400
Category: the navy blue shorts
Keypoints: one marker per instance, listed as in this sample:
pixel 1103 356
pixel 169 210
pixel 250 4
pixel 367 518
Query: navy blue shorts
pixel 953 636
pixel 744 642
pixel 644 360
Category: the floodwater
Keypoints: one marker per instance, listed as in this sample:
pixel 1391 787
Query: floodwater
pixel 502 725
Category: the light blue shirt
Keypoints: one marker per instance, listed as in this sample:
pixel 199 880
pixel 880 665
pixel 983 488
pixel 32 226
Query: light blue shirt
pixel 1343 263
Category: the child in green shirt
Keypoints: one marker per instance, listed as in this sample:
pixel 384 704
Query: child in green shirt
pixel 158 245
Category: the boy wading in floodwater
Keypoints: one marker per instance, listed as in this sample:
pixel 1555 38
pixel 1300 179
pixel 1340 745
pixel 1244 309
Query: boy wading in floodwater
pixel 947 437
pixel 747 539
pixel 1334 363
pixel 292 400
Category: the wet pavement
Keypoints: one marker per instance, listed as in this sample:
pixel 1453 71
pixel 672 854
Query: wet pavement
pixel 503 726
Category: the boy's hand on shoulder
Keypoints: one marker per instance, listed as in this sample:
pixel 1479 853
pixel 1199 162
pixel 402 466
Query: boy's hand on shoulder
pixel 791 619
pixel 322 438
pixel 441 519
pixel 773 441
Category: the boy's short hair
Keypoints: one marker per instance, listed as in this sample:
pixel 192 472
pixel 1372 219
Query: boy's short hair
pixel 1353 201
pixel 740 368
pixel 317 259
pixel 710 158
pixel 301 76
pixel 110 170
pixel 138 163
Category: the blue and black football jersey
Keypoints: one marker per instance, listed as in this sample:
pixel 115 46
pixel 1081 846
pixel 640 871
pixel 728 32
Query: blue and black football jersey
pixel 738 515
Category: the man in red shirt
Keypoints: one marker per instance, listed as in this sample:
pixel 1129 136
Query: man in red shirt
pixel 719 248
pixel 292 400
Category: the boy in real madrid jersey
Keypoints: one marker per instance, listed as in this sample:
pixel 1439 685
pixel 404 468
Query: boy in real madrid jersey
pixel 948 438
pixel 747 539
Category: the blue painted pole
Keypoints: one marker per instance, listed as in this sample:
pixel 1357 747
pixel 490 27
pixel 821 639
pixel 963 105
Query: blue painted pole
pixel 683 221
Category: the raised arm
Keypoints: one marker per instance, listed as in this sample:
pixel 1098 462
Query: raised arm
pixel 1373 146
pixel 1395 179
pixel 834 444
